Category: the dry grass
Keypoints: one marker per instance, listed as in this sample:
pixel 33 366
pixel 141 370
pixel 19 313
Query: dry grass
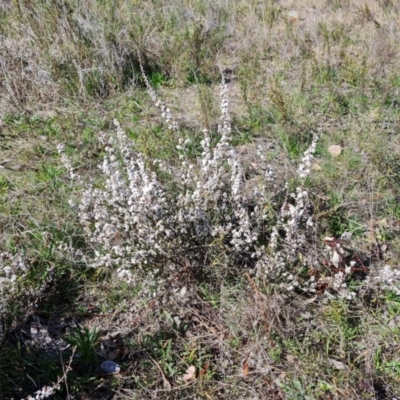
pixel 323 66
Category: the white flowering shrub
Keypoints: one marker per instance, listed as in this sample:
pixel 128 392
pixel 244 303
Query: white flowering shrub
pixel 21 286
pixel 387 278
pixel 145 227
pixel 45 392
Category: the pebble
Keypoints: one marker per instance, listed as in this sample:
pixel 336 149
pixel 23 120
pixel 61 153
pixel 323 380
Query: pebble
pixel 110 367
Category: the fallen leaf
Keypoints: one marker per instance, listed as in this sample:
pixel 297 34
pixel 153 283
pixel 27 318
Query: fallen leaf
pixel 365 386
pixel 255 166
pixel 335 259
pixel 316 167
pixel 338 364
pixel 204 370
pixel 293 16
pixel 190 373
pixel 311 300
pixel 290 358
pixel 335 150
pixel 245 368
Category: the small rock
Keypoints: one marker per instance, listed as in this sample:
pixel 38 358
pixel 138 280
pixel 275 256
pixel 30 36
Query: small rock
pixel 110 367
pixel 335 150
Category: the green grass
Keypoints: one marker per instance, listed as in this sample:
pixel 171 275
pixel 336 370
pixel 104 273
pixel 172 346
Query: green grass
pixel 336 74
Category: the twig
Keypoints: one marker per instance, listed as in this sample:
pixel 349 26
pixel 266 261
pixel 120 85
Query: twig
pixel 47 391
pixel 167 383
pixel 259 296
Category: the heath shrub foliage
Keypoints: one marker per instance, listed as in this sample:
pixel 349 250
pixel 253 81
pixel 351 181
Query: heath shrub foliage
pixel 148 219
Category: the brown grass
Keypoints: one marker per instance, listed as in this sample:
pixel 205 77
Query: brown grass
pixel 68 69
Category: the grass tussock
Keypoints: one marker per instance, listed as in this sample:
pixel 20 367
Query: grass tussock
pixel 257 259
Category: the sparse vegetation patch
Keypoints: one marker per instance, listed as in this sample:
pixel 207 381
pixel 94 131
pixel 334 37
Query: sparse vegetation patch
pixel 199 200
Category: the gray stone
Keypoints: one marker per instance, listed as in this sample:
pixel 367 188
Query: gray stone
pixel 110 367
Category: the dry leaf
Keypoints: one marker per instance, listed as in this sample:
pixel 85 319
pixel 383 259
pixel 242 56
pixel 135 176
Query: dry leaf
pixel 290 358
pixel 366 387
pixel 293 16
pixel 245 368
pixel 338 364
pixel 204 370
pixel 309 301
pixel 335 150
pixel 335 259
pixel 316 167
pixel 190 373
